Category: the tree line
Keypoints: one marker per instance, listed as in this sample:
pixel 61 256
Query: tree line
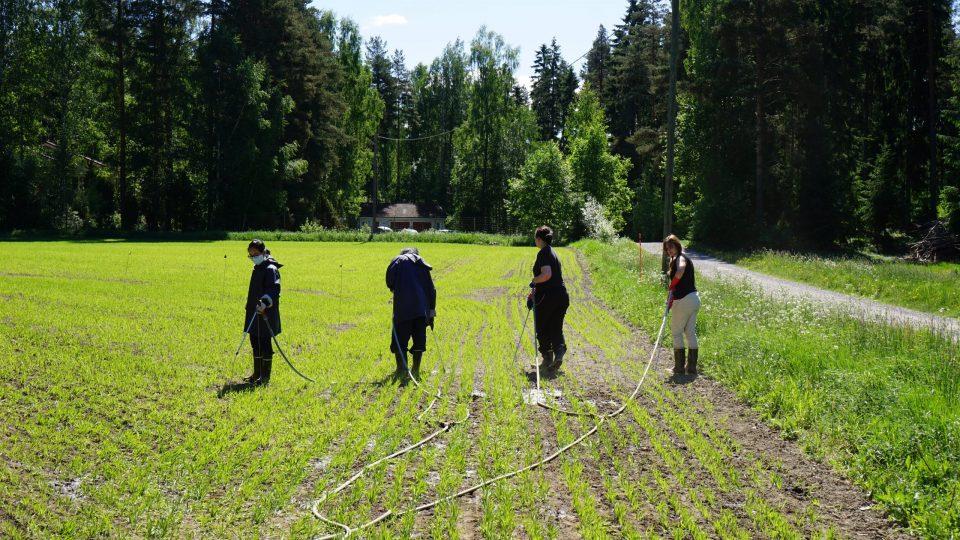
pixel 801 122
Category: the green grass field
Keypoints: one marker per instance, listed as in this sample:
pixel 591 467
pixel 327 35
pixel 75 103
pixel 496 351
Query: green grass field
pixel 114 353
pixel 881 404
pixel 934 288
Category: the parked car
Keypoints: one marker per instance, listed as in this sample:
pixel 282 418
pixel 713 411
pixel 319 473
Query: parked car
pixel 410 231
pixel 383 229
pixel 444 231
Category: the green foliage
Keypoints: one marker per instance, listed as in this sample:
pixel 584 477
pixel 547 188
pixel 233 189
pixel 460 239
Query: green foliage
pixel 596 172
pixel 800 123
pixel 492 143
pixel 365 108
pixel 806 123
pixel 543 193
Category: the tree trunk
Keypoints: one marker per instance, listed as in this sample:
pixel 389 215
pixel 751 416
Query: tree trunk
pixel 127 215
pixel 932 113
pixel 759 119
pixel 671 123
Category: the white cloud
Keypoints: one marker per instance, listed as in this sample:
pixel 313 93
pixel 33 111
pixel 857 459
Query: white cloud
pixel 393 19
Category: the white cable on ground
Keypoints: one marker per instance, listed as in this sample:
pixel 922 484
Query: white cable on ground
pixel 600 419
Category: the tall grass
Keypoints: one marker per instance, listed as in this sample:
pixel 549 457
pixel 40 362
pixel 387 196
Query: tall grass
pixel 880 403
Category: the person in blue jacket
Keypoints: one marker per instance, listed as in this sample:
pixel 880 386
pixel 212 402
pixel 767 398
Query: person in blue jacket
pixel 414 307
pixel 262 313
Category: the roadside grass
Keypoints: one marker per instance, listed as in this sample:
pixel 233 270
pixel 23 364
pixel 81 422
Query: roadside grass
pixel 880 403
pixel 115 351
pixel 934 288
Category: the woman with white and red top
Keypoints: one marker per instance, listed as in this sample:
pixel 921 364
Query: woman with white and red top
pixel 683 303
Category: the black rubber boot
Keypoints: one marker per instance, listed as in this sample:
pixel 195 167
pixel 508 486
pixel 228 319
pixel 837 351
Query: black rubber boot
pixel 558 358
pixel 257 370
pixel 415 368
pixel 547 363
pixel 692 362
pixel 401 366
pixel 264 378
pixel 679 358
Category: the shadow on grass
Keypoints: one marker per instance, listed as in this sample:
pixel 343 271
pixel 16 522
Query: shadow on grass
pixel 395 378
pixel 685 378
pixel 235 388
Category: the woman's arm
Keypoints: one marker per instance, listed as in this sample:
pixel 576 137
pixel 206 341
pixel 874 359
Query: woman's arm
pixel 681 268
pixel 545 274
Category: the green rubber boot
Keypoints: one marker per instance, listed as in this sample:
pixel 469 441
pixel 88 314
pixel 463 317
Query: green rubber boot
pixel 679 359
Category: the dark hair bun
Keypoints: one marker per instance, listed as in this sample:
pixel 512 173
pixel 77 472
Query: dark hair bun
pixel 545 233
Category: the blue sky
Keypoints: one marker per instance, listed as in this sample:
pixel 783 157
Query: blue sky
pixel 422 28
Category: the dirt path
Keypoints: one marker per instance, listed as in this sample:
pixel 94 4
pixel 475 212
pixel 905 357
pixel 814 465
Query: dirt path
pixel 862 308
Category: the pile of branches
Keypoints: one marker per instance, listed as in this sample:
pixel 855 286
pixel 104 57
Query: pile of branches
pixel 938 244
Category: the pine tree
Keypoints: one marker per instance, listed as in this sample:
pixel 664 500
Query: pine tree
pixel 596 70
pixel 381 68
pixel 554 86
pixel 161 65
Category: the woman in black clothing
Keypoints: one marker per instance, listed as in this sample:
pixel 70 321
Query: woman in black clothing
pixel 549 300
pixel 262 316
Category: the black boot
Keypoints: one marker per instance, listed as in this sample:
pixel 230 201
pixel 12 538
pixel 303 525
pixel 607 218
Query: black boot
pixel 401 365
pixel 679 358
pixel 257 370
pixel 692 362
pixel 558 358
pixel 265 373
pixel 547 363
pixel 417 356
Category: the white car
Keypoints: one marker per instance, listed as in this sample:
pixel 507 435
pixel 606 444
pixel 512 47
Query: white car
pixel 444 231
pixel 383 229
pixel 410 231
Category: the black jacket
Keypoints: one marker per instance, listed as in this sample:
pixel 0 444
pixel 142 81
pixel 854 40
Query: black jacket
pixel 264 281
pixel 408 276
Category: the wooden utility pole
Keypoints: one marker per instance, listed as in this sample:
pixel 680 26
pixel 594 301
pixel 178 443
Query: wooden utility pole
pixel 374 223
pixel 640 254
pixel 671 124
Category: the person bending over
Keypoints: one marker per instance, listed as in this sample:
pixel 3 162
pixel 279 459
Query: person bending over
pixel 414 307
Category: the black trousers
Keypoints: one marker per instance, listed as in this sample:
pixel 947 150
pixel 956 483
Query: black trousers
pixel 549 310
pixel 414 328
pixel 260 340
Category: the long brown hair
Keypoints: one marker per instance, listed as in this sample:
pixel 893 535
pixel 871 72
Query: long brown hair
pixel 674 241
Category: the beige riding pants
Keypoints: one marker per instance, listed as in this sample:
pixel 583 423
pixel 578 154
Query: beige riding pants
pixel 683 321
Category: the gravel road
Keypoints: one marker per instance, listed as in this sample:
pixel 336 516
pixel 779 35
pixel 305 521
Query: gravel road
pixel 863 308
